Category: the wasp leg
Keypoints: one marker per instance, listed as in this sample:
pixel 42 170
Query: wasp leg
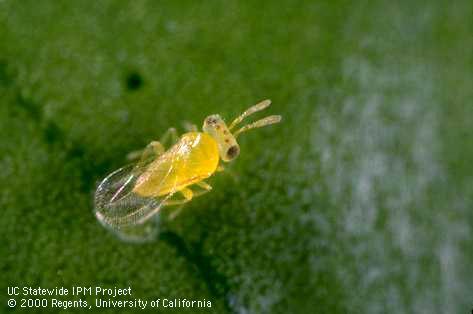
pixel 190 127
pixel 154 148
pixel 188 196
pixel 205 188
pixel 176 212
pixel 186 192
pixel 170 134
pixel 221 168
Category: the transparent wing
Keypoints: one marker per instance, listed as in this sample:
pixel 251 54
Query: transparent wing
pixel 129 215
pixel 115 202
pixel 121 210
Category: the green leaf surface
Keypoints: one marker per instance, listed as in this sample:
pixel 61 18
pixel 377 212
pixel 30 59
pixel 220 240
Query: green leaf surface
pixel 360 201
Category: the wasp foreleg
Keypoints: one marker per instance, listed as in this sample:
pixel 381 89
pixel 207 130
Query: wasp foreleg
pixel 221 168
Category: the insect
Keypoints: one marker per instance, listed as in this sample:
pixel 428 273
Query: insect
pixel 127 199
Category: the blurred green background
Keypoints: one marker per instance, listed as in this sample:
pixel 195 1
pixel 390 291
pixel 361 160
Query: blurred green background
pixel 360 201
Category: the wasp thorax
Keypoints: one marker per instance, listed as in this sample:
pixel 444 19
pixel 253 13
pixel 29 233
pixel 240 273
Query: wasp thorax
pixel 227 145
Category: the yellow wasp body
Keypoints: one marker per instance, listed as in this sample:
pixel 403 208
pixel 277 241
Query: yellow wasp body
pixel 193 159
pixel 129 197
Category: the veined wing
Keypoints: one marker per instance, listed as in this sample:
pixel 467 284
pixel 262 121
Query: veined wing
pixel 125 212
pixel 115 203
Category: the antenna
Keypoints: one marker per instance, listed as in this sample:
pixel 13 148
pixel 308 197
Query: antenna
pixel 258 124
pixel 258 107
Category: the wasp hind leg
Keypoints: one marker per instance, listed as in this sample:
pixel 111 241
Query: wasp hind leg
pixel 153 149
pixel 186 193
pixel 188 196
pixel 204 186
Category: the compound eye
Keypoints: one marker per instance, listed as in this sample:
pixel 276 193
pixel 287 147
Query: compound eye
pixel 211 121
pixel 233 151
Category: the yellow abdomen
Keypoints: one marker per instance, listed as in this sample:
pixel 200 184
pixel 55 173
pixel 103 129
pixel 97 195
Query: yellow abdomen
pixel 192 159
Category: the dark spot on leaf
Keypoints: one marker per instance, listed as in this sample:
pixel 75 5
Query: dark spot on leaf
pixel 5 78
pixel 52 133
pixel 134 81
pixel 76 152
pixel 30 107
